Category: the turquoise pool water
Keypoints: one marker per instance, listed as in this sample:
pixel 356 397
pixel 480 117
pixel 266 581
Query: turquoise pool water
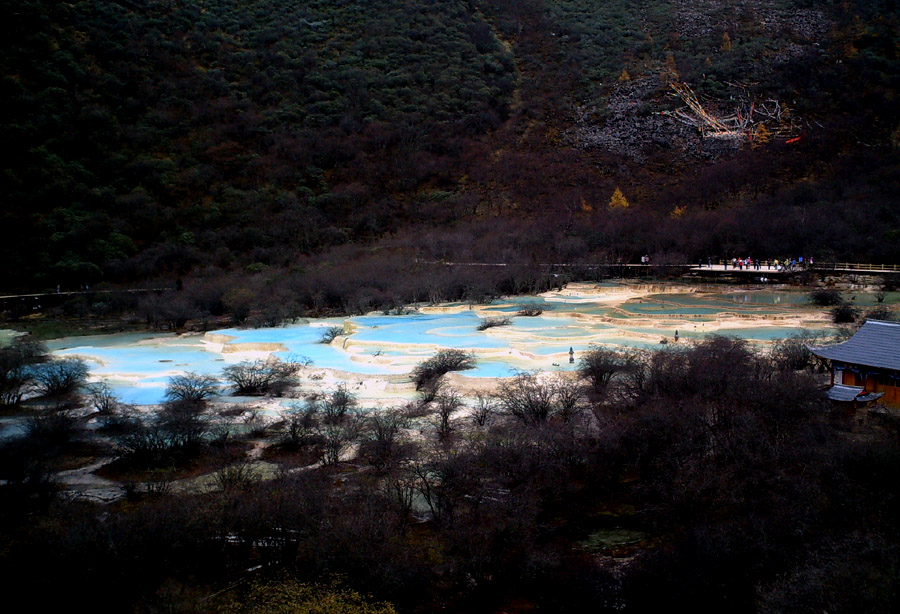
pixel 138 366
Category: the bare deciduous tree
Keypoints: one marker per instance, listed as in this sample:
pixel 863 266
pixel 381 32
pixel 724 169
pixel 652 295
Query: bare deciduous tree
pixel 531 310
pixel 330 334
pixel 527 398
pixel 335 405
pixel 191 387
pixel 487 323
pixel 101 398
pixel 483 409
pixel 16 378
pixel 260 377
pixel 337 438
pixel 533 401
pixel 299 427
pixel 599 365
pixel 185 423
pixel 60 377
pixel 385 436
pixel 448 402
pixel 440 364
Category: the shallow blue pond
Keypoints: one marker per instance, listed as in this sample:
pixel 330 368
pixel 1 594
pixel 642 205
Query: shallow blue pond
pixel 138 366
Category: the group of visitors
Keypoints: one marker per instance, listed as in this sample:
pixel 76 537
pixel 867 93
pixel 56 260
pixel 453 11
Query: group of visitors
pixel 793 264
pixel 786 264
pixel 745 263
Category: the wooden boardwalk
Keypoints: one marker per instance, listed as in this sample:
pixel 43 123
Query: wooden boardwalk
pixel 766 269
pixel 718 269
pixel 40 300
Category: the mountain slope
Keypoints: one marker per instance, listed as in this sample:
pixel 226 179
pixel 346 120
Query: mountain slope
pixel 159 138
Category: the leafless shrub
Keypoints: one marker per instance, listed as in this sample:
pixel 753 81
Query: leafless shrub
pixel 483 410
pixel 236 475
pixel 825 297
pixel 336 438
pixel 569 399
pixel 385 434
pixel 599 365
pixel 59 377
pixel 531 310
pixel 101 398
pixel 300 426
pixel 159 483
pixel 254 422
pixel 334 406
pixel 845 313
pixel 260 377
pixel 185 423
pixel 52 429
pixel 191 387
pixel 429 392
pixel 487 323
pixel 220 434
pixel 16 377
pixel 145 445
pixel 416 409
pixel 330 334
pixel 533 401
pixel 881 312
pixel 792 353
pixel 448 401
pixel 440 364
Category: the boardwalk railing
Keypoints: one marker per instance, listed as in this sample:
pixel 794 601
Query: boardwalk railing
pixel 857 266
pixel 702 265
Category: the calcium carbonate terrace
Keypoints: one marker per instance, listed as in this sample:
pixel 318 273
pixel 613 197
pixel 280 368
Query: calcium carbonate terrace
pixel 376 352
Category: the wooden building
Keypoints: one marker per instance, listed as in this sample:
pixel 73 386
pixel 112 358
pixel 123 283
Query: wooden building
pixel 868 361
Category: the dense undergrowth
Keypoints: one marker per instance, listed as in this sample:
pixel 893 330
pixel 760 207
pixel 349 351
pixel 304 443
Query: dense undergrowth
pixel 708 476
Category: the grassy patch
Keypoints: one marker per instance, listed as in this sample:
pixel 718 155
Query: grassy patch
pixel 604 540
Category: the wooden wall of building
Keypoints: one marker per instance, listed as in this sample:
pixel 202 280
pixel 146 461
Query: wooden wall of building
pixel 881 383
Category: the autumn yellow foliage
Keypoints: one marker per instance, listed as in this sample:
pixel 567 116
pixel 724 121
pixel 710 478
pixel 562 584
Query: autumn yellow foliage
pixel 618 200
pixel 290 596
pixel 726 42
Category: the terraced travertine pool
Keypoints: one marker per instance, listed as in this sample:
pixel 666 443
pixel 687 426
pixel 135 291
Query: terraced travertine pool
pixel 138 366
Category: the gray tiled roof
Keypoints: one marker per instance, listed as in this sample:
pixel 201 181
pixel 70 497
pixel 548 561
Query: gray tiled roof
pixel 839 392
pixel 876 344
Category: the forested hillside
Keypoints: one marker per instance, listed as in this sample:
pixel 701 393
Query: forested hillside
pixel 142 134
pixel 155 140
